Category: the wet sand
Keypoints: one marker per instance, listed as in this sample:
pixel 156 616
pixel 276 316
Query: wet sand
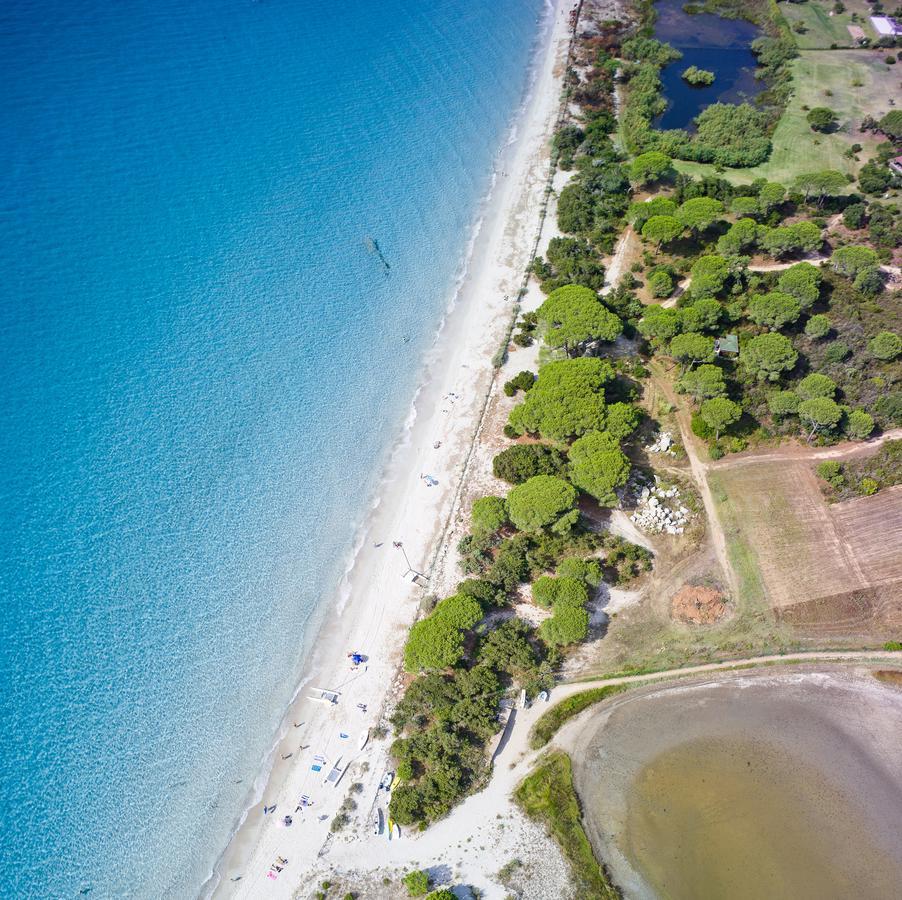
pixel 749 786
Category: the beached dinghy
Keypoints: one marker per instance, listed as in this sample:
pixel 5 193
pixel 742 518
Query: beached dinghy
pixel 364 737
pixel 386 783
pixel 377 822
pixel 391 827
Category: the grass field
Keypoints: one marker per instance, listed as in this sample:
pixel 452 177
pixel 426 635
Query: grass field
pixel 822 29
pixel 833 570
pixel 854 83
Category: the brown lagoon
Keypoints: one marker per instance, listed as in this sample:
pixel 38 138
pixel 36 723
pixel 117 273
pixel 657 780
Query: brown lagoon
pixel 786 786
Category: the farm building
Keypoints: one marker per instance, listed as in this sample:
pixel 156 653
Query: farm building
pixel 896 165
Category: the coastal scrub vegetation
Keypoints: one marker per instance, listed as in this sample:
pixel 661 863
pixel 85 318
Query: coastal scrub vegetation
pixel 547 795
pixel 555 718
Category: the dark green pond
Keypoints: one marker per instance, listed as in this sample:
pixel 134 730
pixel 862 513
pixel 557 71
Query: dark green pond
pixel 721 46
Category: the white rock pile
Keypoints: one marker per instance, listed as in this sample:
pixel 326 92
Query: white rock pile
pixel 658 510
pixel 663 444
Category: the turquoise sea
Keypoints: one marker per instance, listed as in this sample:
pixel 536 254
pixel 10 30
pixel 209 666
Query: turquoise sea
pixel 202 370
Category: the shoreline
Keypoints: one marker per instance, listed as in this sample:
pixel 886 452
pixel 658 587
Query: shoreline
pixel 373 608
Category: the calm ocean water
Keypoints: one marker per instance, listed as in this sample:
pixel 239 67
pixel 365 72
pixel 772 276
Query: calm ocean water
pixel 202 367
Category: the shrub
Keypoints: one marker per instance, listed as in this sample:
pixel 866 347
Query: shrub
pixel 836 352
pixel 830 470
pixel 436 642
pixel 885 346
pixel 695 76
pixel 869 281
pixel 598 466
pixel 523 381
pixel 817 326
pixel 522 461
pixel 893 646
pixel 868 486
pixel 768 355
pixel 821 118
pixel 586 570
pixel 860 424
pixel 660 284
pixel 417 883
pixel 544 501
pixel 489 515
pixel 816 385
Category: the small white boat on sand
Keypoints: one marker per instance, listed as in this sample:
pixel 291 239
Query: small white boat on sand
pixel 364 737
pixel 377 821
pixel 387 781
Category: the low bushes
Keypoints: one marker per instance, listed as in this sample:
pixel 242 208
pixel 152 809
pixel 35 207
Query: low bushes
pixel 552 721
pixel 547 794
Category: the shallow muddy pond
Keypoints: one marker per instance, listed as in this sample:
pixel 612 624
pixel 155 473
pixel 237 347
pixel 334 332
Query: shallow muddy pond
pixel 721 46
pixel 786 788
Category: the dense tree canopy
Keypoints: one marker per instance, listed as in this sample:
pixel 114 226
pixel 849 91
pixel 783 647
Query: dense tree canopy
pixel 768 355
pixel 699 213
pixel 692 348
pixel 804 237
pixel 566 401
pixel 660 324
pixel 544 501
pixel 661 229
pixel 774 309
pixel 437 641
pixel 818 185
pixel 704 382
pixel 783 403
pixel 709 275
pixel 885 346
pixel 489 515
pixel 850 260
pixel 816 385
pixel 518 463
pixel 650 166
pixel 598 466
pixel 732 135
pixel 802 281
pixel 818 413
pixel 639 213
pixel 740 238
pixel 719 413
pixel 574 317
pixel 703 315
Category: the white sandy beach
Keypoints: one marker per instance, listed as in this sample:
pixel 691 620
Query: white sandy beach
pixel 379 605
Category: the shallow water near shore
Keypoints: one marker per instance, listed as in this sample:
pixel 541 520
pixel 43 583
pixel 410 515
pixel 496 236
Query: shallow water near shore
pixel 204 365
pixel 720 45
pixel 787 788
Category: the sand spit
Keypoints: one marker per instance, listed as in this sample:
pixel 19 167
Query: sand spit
pixel 407 524
pixel 744 786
